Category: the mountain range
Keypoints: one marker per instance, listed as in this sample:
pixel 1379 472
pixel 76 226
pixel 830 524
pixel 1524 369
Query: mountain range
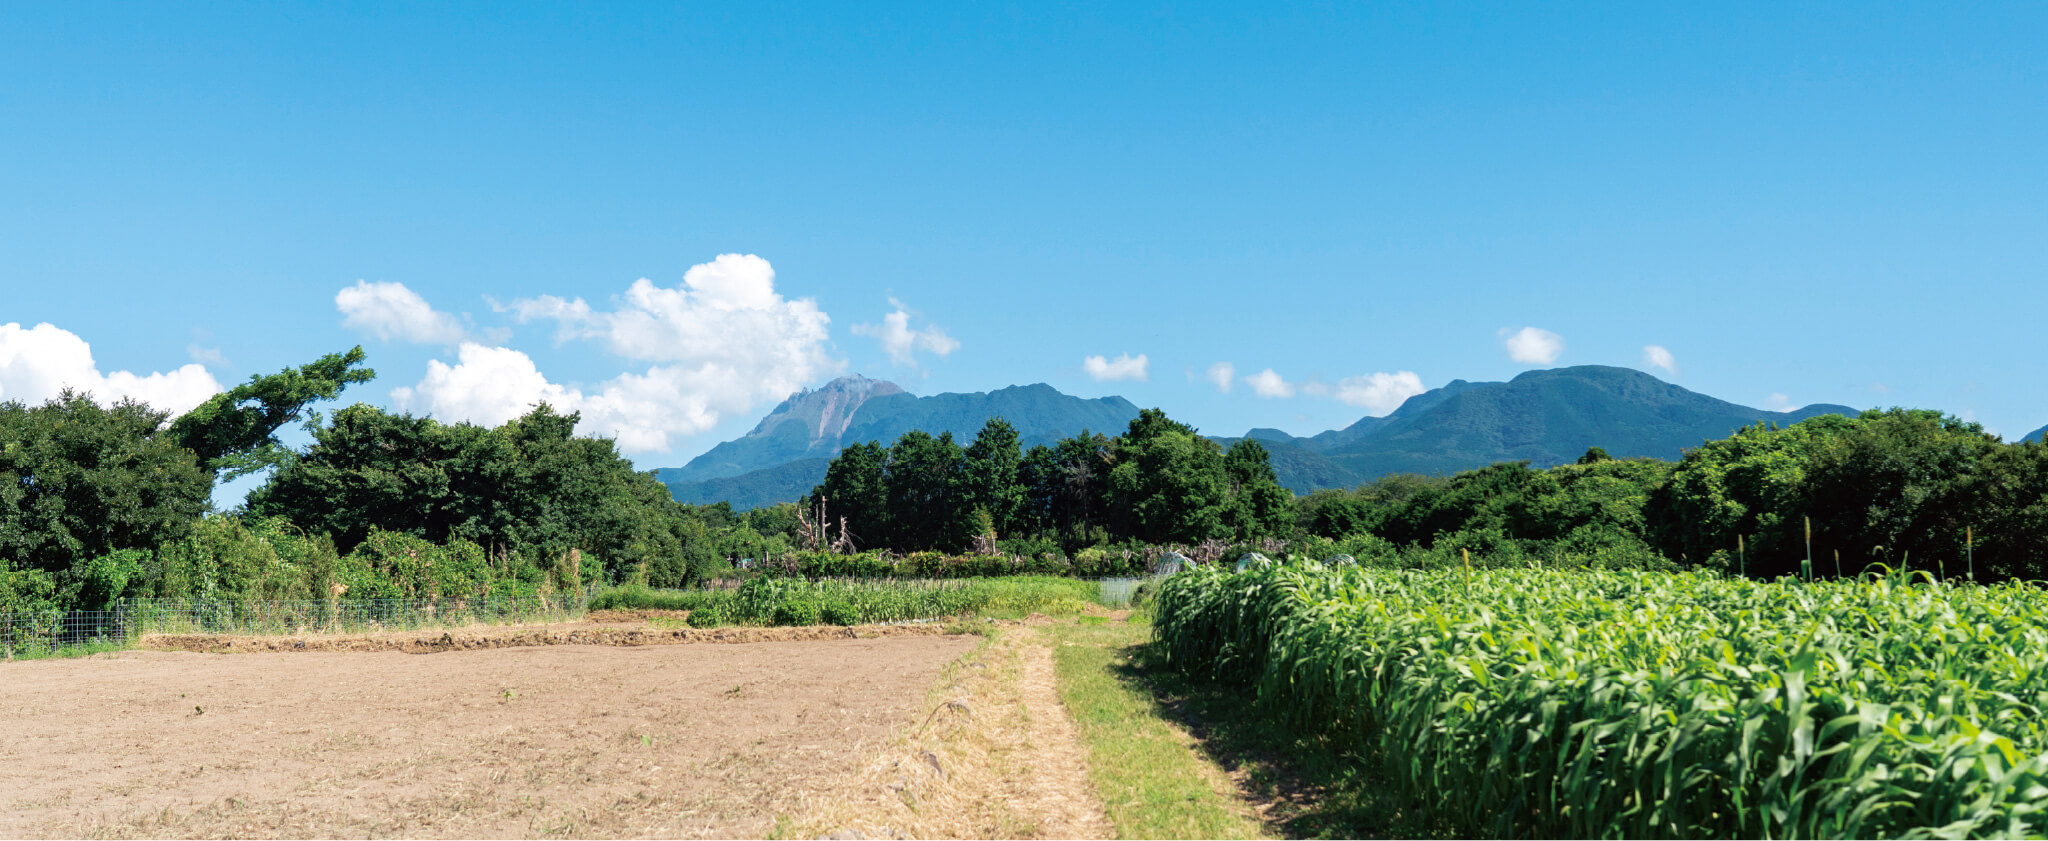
pixel 1545 417
pixel 2037 435
pixel 785 455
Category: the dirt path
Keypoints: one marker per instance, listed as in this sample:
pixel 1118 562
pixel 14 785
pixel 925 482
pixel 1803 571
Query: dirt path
pixel 572 740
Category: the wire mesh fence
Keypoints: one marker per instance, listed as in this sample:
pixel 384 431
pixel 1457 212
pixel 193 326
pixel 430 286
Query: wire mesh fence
pixel 1115 592
pixel 45 633
pixel 1120 592
pixel 42 634
pixel 48 633
pixel 888 583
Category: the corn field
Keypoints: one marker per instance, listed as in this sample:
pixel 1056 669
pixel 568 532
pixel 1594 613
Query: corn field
pixel 1610 703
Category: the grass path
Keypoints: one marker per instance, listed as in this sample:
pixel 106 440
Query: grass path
pixel 1153 780
pixel 1174 758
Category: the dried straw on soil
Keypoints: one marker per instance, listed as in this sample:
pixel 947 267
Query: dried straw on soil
pixel 995 756
pixel 491 636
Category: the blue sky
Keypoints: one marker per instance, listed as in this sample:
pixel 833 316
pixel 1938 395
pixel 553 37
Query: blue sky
pixel 1797 203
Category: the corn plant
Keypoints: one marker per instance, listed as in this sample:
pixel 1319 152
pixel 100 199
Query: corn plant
pixel 1609 703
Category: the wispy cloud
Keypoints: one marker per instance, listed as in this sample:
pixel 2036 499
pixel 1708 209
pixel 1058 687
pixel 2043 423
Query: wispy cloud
pixel 1533 345
pixel 903 343
pixel 1380 392
pixel 1124 367
pixel 390 311
pixel 1222 374
pixel 206 355
pixel 1269 383
pixel 1656 356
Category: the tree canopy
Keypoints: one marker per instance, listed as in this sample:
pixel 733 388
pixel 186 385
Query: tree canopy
pixel 78 481
pixel 234 433
pixel 528 486
pixel 1159 482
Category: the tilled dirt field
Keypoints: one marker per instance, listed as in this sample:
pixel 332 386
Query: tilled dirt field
pixel 629 739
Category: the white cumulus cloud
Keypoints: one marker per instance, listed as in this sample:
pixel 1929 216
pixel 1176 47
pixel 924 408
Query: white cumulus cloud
pixel 1380 392
pixel 487 386
pixel 727 313
pixel 1268 383
pixel 1222 374
pixel 390 311
pixel 643 412
pixel 903 343
pixel 1656 356
pixel 38 363
pixel 1124 367
pixel 721 342
pixel 1533 345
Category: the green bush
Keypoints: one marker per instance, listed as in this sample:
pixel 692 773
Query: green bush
pixel 838 612
pixel 99 583
pixel 797 611
pixel 27 591
pixel 640 597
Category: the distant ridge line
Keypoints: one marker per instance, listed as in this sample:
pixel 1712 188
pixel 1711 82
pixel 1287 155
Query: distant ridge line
pixel 1545 417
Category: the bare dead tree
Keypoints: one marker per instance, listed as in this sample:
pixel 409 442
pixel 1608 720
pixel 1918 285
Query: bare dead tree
pixel 810 527
pixel 844 543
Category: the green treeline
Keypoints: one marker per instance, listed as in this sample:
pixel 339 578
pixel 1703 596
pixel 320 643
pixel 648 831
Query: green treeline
pixel 103 503
pixel 1909 489
pixel 1158 483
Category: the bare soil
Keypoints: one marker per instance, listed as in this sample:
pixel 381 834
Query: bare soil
pixel 352 736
